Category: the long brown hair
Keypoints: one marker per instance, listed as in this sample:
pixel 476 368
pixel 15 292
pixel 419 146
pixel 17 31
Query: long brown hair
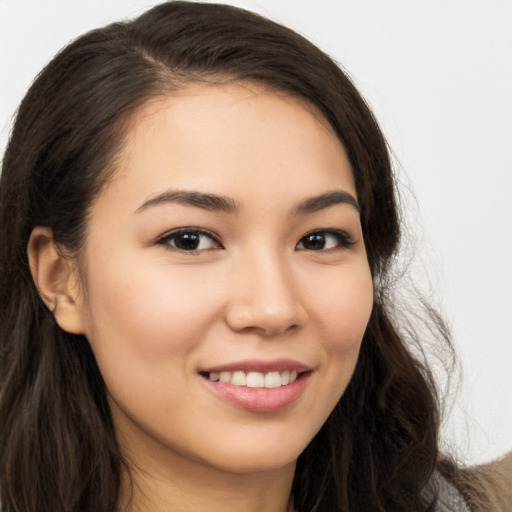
pixel 379 447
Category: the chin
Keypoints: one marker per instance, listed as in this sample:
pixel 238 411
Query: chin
pixel 259 457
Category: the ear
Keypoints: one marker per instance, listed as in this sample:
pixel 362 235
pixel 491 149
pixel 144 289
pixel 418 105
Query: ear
pixel 56 279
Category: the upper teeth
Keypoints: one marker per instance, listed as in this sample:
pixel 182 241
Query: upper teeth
pixel 255 379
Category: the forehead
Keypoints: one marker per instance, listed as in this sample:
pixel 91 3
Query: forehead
pixel 221 138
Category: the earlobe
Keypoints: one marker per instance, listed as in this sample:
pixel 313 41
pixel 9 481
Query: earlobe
pixel 56 279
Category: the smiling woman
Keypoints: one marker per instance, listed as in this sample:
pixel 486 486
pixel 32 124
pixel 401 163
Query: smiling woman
pixel 198 219
pixel 225 299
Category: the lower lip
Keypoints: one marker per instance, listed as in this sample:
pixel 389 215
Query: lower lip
pixel 260 399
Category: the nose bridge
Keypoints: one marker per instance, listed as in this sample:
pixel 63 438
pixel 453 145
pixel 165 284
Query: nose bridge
pixel 265 295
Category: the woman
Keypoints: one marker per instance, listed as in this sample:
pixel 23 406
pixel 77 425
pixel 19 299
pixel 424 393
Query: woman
pixel 198 223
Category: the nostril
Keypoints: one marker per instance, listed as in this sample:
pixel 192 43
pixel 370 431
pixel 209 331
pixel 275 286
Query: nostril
pixel 264 320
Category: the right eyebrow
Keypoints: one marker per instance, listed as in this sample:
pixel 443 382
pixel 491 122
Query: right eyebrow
pixel 211 202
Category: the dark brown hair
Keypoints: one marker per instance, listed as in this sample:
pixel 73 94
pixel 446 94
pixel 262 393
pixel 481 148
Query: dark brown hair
pixel 377 450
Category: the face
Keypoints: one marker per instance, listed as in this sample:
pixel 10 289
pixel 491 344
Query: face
pixel 227 283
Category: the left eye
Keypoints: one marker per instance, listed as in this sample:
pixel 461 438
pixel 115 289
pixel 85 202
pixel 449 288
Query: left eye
pixel 190 240
pixel 324 240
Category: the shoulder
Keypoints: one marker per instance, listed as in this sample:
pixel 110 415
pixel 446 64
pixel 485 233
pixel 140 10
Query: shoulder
pixel 481 488
pixel 490 485
pixel 449 498
pixel 445 496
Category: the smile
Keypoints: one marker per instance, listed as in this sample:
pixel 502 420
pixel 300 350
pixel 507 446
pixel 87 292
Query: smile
pixel 255 379
pixel 258 386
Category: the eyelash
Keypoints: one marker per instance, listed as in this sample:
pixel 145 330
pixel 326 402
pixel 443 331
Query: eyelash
pixel 168 238
pixel 341 238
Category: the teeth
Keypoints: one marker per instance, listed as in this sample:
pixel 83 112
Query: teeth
pixel 225 376
pixel 255 379
pixel 239 379
pixel 273 380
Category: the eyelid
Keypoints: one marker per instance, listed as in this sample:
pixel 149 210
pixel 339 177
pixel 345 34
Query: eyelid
pixel 344 239
pixel 167 236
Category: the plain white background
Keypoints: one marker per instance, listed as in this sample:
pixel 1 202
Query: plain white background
pixel 438 74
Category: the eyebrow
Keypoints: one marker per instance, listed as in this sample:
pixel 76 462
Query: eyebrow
pixel 213 202
pixel 317 203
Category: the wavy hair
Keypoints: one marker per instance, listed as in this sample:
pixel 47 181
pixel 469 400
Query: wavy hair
pixel 58 452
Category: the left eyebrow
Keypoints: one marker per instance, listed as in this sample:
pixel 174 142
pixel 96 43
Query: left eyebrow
pixel 317 203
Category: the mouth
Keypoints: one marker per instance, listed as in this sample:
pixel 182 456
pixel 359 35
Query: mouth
pixel 258 386
pixel 269 380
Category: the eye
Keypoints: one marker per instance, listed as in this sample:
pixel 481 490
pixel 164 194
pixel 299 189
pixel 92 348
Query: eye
pixel 190 240
pixel 324 240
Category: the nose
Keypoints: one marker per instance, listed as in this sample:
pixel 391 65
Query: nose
pixel 264 297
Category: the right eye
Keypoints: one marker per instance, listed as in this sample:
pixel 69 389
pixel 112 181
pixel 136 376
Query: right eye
pixel 190 240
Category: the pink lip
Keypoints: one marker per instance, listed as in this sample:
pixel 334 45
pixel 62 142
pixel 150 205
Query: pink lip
pixel 260 399
pixel 257 365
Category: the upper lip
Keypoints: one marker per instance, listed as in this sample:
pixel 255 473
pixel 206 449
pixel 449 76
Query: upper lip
pixel 259 365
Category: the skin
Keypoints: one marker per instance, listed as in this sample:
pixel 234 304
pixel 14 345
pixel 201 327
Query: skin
pixel 155 314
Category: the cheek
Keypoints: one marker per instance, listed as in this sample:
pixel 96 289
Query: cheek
pixel 345 308
pixel 144 331
pixel 142 322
